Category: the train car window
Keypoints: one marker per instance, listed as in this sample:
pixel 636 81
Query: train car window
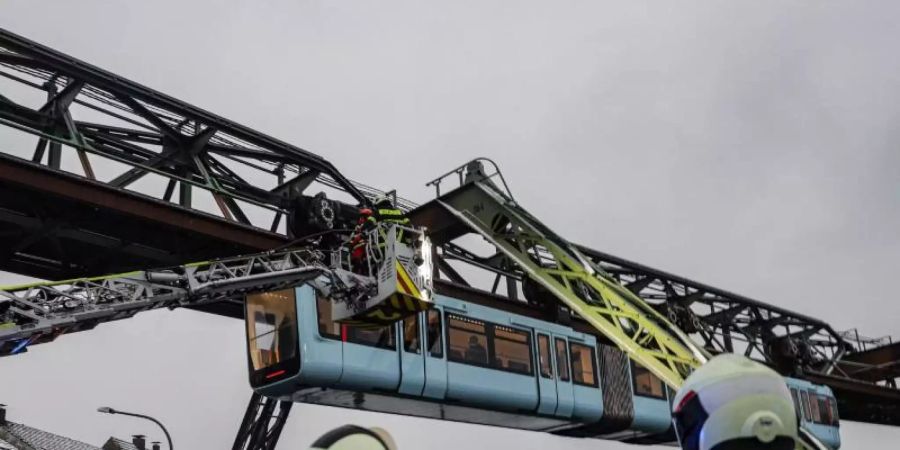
pixel 814 415
pixel 796 401
pixel 435 334
pixel 562 360
pixel 512 350
pixel 824 409
pixel 835 420
pixel 646 384
pixel 544 356
pixel 584 364
pixel 272 328
pixel 381 337
pixel 467 340
pixel 805 404
pixel 327 327
pixel 411 334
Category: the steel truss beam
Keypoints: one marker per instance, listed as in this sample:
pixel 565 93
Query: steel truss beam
pixel 722 321
pixel 149 133
pixel 728 322
pixel 559 269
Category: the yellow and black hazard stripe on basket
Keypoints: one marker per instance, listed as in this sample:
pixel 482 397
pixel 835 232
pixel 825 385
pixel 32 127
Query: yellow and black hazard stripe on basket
pixel 405 283
pixel 392 309
pixel 406 301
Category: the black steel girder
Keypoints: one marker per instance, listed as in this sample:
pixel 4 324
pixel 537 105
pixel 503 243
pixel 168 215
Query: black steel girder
pixel 150 133
pixel 55 225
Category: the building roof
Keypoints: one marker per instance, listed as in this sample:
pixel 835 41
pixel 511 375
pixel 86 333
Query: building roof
pixel 34 439
pixel 6 445
pixel 117 444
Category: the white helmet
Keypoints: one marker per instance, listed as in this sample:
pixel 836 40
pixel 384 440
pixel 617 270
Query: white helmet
pixel 352 437
pixel 383 200
pixel 734 403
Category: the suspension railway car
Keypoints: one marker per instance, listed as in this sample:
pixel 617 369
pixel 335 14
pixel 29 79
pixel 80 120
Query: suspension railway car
pixel 469 362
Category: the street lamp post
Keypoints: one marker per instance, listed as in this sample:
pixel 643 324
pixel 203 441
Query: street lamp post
pixel 108 410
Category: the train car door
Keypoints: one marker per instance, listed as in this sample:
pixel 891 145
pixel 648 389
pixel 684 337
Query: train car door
pixel 546 377
pixel 412 359
pixel 435 353
pixel 565 397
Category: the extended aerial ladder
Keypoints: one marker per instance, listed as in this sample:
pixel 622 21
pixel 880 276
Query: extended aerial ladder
pixel 394 284
pixel 40 312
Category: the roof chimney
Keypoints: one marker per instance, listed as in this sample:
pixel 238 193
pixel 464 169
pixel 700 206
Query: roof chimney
pixel 139 441
pixel 2 414
pixel 155 445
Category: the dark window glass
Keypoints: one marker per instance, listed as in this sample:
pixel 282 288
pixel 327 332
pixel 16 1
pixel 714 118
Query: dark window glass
pixel 804 397
pixel 544 356
pixel 381 337
pixel 646 384
pixel 562 360
pixel 835 420
pixel 435 335
pixel 271 327
pixel 824 410
pixel 583 364
pixel 411 334
pixel 327 327
pixel 467 340
pixel 796 401
pixel 813 408
pixel 512 350
pixel 482 344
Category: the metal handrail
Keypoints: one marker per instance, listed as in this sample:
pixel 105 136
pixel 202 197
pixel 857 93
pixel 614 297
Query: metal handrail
pixel 461 170
pixel 863 343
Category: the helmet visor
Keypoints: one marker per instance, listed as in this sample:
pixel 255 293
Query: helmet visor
pixel 688 420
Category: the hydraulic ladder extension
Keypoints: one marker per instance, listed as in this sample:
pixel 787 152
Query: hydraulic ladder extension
pixel 40 312
pixel 634 326
pixel 396 284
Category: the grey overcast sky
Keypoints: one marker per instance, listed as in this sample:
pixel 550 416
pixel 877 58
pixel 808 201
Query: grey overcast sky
pixel 749 145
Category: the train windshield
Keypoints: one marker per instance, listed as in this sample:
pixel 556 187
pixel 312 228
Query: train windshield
pixel 271 328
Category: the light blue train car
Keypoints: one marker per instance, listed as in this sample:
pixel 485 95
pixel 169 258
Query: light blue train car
pixel 460 361
pixel 817 408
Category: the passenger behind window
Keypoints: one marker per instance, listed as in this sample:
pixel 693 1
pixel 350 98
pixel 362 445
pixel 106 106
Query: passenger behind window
pixel 435 344
pixel 577 371
pixel 287 339
pixel 476 353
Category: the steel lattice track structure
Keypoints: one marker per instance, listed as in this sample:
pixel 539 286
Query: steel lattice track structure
pixel 93 196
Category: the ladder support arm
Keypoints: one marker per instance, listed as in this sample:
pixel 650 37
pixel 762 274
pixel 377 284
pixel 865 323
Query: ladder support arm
pixel 39 312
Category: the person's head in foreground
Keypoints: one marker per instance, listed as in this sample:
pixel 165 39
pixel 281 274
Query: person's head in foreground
pixel 733 403
pixel 352 437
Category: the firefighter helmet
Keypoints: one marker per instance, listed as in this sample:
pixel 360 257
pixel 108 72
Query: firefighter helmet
pixel 383 201
pixel 352 437
pixel 732 403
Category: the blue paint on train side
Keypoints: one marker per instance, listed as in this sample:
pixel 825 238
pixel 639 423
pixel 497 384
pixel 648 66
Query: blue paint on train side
pixel 653 415
pixel 817 408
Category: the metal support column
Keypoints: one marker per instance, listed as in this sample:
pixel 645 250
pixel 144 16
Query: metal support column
pixel 262 425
